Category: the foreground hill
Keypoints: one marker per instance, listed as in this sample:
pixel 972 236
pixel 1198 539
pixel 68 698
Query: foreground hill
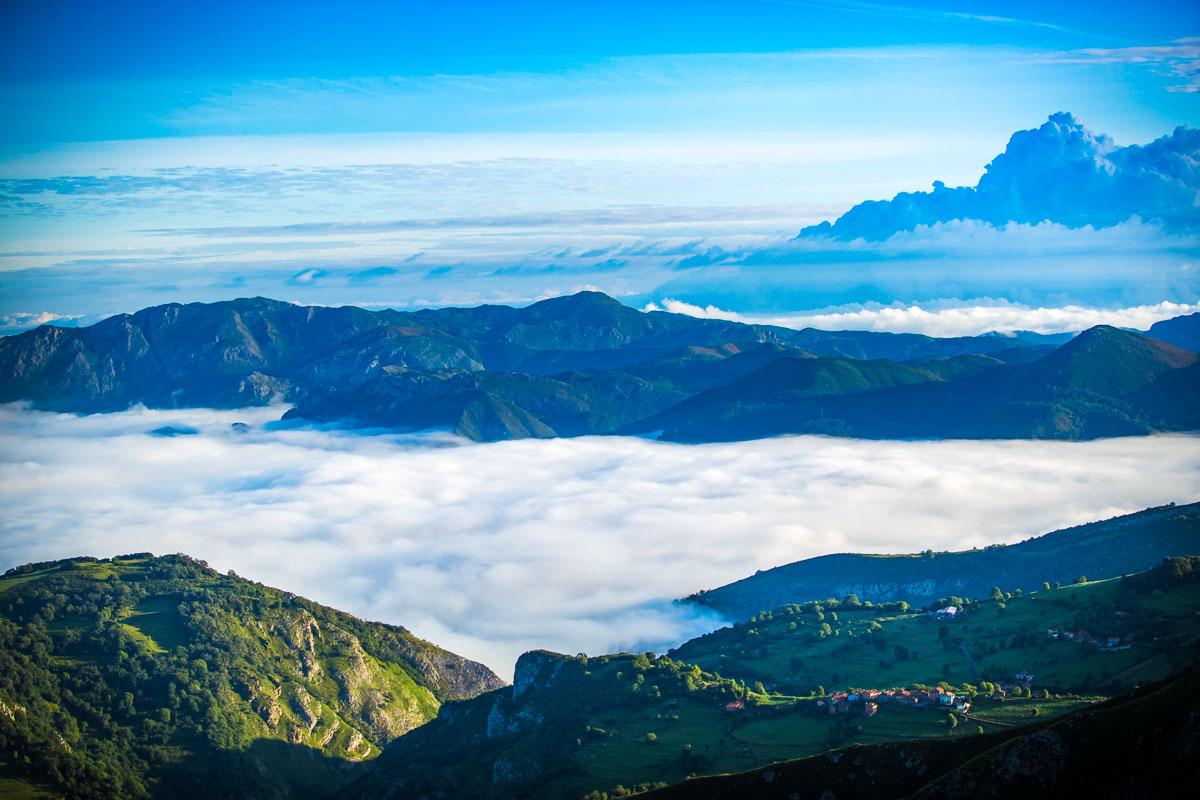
pixel 158 677
pixel 1098 550
pixel 586 364
pixel 1141 744
pixel 576 727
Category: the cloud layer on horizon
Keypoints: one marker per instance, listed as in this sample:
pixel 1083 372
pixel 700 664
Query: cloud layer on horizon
pixel 1060 172
pixel 574 545
pixel 948 317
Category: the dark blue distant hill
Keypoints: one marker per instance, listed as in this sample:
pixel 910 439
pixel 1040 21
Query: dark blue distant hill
pixel 587 364
pixel 1102 549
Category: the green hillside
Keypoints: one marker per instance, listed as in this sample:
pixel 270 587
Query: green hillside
pixel 1102 549
pixel 159 677
pixel 573 727
pixel 847 644
pixel 1141 744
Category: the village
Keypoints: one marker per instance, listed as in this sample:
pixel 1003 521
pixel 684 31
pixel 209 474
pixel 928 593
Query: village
pixel 866 702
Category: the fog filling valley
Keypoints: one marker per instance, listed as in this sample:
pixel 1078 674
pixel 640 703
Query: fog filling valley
pixel 574 545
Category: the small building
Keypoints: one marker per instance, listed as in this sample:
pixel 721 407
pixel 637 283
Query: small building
pixel 869 709
pixel 736 705
pixel 946 614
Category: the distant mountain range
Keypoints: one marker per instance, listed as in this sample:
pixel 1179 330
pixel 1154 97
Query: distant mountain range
pixel 1101 549
pixel 586 364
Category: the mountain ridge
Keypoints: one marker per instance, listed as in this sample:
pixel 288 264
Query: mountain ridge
pixel 1099 549
pixel 587 364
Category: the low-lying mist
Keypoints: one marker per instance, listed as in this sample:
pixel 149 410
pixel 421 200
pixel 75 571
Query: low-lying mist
pixel 576 545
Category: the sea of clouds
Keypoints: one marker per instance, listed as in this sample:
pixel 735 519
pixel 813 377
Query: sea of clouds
pixel 577 545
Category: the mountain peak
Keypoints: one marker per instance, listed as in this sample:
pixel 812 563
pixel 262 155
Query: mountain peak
pixel 587 298
pixel 579 305
pixel 1112 360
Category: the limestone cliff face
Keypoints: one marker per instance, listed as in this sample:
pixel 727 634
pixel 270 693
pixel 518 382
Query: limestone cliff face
pixel 888 590
pixel 456 678
pixel 536 668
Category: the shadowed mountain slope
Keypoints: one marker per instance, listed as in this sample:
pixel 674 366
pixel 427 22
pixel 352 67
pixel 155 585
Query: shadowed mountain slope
pixel 1141 744
pixel 1098 549
pixel 1105 382
pixel 1180 331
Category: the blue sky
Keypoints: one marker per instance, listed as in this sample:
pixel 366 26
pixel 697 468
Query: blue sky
pixel 121 70
pixel 428 153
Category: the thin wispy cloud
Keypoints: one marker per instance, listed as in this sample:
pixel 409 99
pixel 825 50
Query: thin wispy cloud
pixel 924 14
pixel 613 216
pixel 1179 59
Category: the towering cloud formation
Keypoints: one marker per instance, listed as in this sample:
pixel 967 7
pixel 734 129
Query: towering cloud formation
pixel 1060 172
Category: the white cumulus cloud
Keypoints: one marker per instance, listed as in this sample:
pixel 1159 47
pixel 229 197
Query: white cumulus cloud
pixel 23 320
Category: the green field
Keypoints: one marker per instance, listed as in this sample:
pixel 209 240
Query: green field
pixel 156 624
pixel 16 786
pixel 1022 710
pixel 17 580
